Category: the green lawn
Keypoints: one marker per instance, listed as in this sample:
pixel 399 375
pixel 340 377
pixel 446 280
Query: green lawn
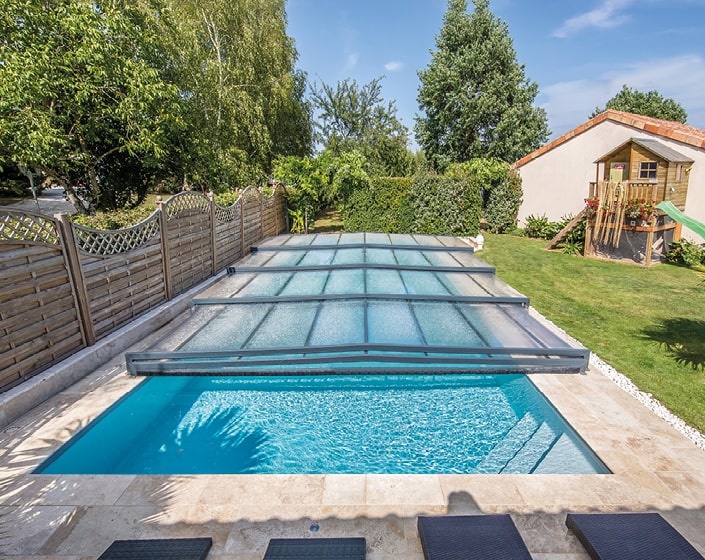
pixel 648 323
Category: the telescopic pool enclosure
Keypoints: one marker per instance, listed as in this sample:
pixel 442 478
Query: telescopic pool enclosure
pixel 363 302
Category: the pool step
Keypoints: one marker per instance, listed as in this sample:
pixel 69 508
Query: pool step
pixel 533 451
pixel 509 446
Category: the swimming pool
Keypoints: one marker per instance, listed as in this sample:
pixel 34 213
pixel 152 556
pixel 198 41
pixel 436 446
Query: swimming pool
pixel 408 424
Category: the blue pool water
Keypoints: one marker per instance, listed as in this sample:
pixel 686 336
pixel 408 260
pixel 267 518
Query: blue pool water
pixel 328 424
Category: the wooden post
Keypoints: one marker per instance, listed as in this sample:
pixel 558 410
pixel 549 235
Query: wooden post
pixel 242 225
pixel 164 236
pixel 261 214
pixel 78 284
pixel 214 241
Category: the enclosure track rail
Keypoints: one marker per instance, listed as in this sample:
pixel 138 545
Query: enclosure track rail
pixel 401 247
pixel 523 301
pixel 360 266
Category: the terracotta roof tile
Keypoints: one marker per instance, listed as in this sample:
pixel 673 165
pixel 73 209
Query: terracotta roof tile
pixel 667 129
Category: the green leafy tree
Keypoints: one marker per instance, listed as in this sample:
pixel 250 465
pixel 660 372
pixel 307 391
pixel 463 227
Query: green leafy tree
pixel 83 97
pixel 476 100
pixel 649 104
pixel 235 69
pixel 351 117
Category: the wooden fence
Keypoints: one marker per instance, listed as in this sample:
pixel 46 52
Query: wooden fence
pixel 65 286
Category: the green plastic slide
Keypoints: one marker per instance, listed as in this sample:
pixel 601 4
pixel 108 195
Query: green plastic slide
pixel 678 216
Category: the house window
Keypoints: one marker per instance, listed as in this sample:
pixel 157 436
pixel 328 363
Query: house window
pixel 679 173
pixel 647 170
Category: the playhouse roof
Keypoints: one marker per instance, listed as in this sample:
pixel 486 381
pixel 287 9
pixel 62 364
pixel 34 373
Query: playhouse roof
pixel 653 146
pixel 667 129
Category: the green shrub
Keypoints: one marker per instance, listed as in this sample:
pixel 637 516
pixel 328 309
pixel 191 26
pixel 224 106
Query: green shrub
pixel 539 227
pixel 113 219
pixel 685 253
pixel 227 198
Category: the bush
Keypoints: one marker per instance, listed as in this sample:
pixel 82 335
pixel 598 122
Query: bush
pixel 113 219
pixel 539 227
pixel 685 253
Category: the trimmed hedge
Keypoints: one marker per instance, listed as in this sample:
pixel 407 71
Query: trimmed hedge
pixel 427 204
pixel 445 205
pixel 384 206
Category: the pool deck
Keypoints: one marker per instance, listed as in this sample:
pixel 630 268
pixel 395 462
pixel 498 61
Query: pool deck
pixel 51 517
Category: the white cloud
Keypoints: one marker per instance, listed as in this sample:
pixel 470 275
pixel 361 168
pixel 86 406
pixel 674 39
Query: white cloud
pixel 604 16
pixel 393 65
pixel 682 78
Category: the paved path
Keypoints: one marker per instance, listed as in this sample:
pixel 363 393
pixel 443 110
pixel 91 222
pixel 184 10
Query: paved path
pixel 49 202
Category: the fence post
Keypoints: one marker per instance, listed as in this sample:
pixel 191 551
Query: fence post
pixel 78 283
pixel 164 238
pixel 214 245
pixel 261 214
pixel 242 225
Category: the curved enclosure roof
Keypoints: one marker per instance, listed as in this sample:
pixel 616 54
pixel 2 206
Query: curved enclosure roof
pixel 361 302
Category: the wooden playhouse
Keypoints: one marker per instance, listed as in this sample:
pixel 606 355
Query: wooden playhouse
pixel 623 222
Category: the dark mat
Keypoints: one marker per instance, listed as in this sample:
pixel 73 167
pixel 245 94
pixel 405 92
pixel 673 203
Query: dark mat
pixel 352 548
pixel 471 537
pixel 158 549
pixel 629 536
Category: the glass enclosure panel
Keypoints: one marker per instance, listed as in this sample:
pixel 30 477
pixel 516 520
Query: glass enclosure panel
pixel 392 323
pixel 346 282
pixel 384 282
pixel 443 324
pixel 422 282
pixel 306 283
pixel 339 322
pixel 267 284
pixel 229 330
pixel 288 324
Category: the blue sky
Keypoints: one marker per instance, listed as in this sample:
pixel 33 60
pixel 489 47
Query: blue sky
pixel 580 52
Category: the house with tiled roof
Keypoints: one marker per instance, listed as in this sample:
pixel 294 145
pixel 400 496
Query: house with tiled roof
pixel 559 176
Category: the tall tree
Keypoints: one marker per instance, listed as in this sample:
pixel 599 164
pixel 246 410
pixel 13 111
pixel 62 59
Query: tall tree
pixel 351 117
pixel 475 96
pixel 649 104
pixel 245 101
pixel 83 97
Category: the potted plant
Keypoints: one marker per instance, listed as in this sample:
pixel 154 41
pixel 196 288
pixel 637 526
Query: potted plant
pixel 639 210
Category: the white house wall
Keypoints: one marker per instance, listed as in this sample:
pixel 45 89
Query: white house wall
pixel 557 182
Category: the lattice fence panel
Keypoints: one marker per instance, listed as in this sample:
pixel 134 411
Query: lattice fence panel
pixel 186 202
pixel 28 227
pixel 113 242
pixel 39 323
